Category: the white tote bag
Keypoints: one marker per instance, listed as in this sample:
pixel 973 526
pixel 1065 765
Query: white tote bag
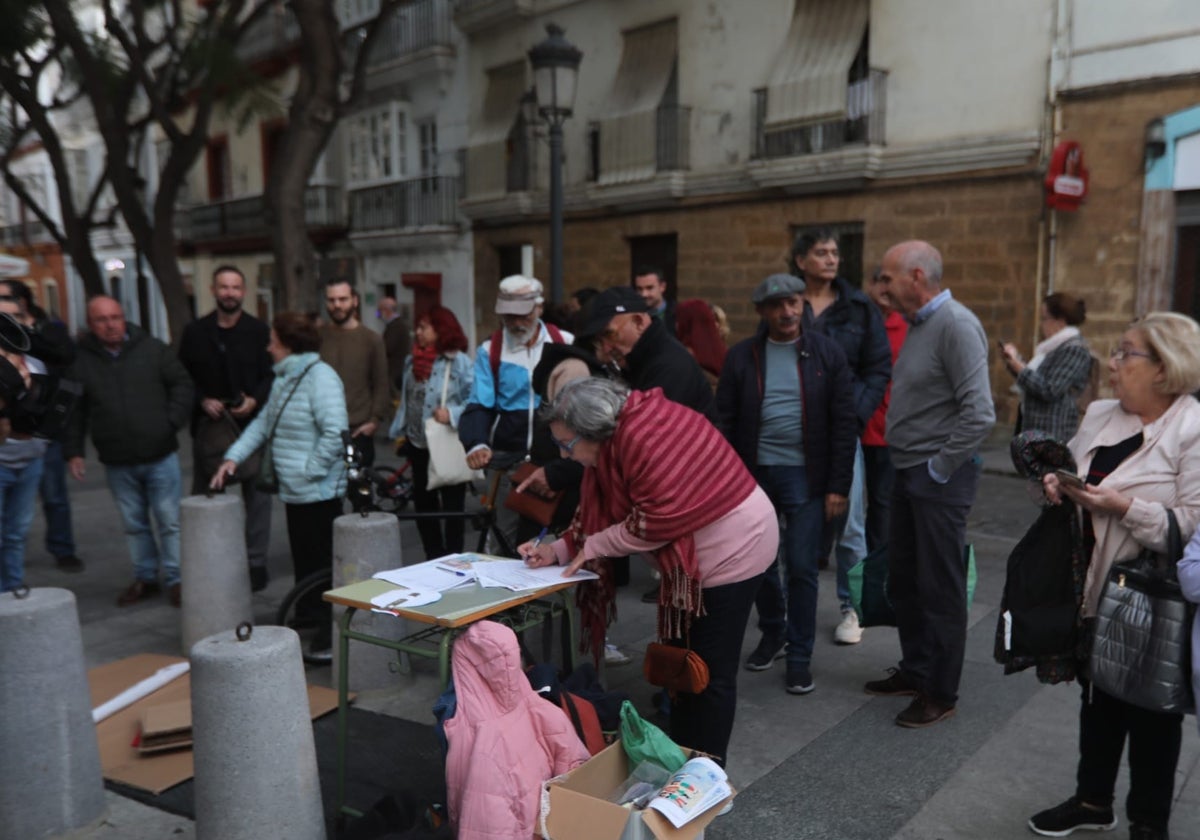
pixel 447 458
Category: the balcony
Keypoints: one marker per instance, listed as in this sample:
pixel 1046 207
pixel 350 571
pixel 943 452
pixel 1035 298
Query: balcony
pixel 24 233
pixel 417 203
pixel 476 15
pixel 245 218
pixel 668 132
pixel 412 30
pixel 866 104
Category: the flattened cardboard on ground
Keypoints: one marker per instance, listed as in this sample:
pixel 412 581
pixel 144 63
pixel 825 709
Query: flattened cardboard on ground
pixel 580 810
pixel 165 726
pixel 119 759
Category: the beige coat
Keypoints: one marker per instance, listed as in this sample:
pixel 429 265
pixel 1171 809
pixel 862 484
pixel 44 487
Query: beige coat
pixel 1164 472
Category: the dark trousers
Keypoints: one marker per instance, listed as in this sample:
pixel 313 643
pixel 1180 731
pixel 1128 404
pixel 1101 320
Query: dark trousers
pixel 793 618
pixel 1154 738
pixel 438 537
pixel 927 578
pixel 880 475
pixel 258 508
pixel 366 448
pixel 56 504
pixel 310 535
pixel 704 721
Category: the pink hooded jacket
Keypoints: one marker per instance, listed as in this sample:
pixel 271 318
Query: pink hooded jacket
pixel 505 740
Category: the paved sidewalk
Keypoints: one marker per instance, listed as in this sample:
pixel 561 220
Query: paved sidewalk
pixel 826 765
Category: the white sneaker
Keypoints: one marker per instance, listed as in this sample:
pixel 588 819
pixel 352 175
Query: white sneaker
pixel 613 656
pixel 848 631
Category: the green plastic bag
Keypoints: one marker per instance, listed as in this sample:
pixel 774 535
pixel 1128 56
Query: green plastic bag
pixel 868 587
pixel 643 741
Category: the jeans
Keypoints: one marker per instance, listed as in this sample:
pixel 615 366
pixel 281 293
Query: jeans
pixel 18 491
pixel 56 504
pixel 879 474
pixel 803 518
pixel 852 535
pixel 927 579
pixel 1154 740
pixel 704 721
pixel 142 491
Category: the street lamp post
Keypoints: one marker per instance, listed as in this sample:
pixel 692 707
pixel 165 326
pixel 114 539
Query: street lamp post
pixel 555 70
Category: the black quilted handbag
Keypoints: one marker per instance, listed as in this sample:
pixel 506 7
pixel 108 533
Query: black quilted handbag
pixel 1142 652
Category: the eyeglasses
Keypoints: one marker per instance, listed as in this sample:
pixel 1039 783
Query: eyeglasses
pixel 1120 354
pixel 568 446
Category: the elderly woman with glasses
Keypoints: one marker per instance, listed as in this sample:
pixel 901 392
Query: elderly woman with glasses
pixel 1139 456
pixel 661 480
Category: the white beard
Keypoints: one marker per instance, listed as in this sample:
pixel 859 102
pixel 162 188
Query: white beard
pixel 517 339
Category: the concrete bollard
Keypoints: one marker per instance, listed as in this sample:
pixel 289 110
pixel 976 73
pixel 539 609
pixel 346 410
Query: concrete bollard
pixel 50 777
pixel 214 570
pixel 256 764
pixel 362 546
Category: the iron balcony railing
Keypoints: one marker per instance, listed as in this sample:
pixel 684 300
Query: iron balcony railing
pixel 411 28
pixel 30 231
pixel 866 104
pixel 419 202
pixel 244 217
pixel 672 137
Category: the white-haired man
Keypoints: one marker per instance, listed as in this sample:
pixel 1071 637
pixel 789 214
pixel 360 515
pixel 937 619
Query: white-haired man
pixel 496 427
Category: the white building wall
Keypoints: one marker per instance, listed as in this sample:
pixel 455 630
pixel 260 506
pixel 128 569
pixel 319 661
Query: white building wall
pixel 1109 41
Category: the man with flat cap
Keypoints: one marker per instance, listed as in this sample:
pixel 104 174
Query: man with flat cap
pixel 620 324
pixel 786 404
pixel 496 427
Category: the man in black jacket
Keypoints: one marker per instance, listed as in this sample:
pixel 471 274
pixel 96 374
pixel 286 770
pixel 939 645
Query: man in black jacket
pixel 786 404
pixel 652 286
pixel 136 398
pixel 226 354
pixel 834 308
pixel 649 356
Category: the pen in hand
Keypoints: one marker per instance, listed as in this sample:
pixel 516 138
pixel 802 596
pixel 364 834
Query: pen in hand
pixel 536 542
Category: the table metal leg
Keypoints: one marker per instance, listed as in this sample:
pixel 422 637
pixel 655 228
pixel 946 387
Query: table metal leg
pixel 343 689
pixel 444 656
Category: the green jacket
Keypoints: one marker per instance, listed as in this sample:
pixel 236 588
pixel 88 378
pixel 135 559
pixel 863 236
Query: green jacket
pixel 134 403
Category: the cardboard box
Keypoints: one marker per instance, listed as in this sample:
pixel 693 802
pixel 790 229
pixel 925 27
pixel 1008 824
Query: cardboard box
pixel 167 726
pixel 580 810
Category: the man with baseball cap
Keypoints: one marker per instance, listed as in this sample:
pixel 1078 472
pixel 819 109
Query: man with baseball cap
pixel 619 323
pixel 496 427
pixel 786 404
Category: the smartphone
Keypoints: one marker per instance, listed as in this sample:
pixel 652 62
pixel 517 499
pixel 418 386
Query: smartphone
pixel 1069 479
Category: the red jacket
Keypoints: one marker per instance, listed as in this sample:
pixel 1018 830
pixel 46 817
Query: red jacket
pixel 897 331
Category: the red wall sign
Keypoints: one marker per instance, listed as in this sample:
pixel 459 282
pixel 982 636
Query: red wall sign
pixel 1067 177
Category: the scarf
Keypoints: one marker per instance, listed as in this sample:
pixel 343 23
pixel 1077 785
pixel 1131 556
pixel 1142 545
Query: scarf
pixel 665 473
pixel 423 361
pixel 1046 347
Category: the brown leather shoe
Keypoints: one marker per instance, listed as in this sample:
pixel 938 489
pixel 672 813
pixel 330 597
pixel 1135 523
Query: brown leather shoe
pixel 897 684
pixel 922 712
pixel 139 590
pixel 174 594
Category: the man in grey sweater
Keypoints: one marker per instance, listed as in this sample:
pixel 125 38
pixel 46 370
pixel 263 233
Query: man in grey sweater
pixel 941 411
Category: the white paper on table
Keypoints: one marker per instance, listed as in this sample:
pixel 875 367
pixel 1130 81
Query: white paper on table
pixel 136 692
pixel 436 575
pixel 404 598
pixel 517 577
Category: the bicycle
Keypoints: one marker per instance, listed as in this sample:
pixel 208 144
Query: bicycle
pixel 388 490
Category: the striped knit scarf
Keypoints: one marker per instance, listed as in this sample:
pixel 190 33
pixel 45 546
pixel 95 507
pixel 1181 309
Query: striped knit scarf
pixel 665 473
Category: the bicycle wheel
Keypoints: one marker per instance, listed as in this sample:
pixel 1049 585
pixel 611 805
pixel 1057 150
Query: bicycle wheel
pixel 310 586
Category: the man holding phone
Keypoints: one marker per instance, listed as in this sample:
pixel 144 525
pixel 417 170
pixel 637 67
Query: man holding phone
pixel 225 352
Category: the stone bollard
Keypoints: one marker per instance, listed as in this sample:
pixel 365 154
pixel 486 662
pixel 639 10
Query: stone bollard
pixel 256 763
pixel 213 565
pixel 50 777
pixel 362 546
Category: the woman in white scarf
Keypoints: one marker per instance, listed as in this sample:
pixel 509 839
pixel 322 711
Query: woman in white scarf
pixel 1060 371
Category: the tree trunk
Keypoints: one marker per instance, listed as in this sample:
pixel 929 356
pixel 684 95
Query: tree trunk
pixel 312 116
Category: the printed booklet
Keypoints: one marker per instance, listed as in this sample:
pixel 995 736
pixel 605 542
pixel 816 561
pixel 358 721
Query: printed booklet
pixel 693 789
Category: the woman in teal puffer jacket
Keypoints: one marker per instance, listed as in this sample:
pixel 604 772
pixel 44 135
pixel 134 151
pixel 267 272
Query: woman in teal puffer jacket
pixel 307 409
